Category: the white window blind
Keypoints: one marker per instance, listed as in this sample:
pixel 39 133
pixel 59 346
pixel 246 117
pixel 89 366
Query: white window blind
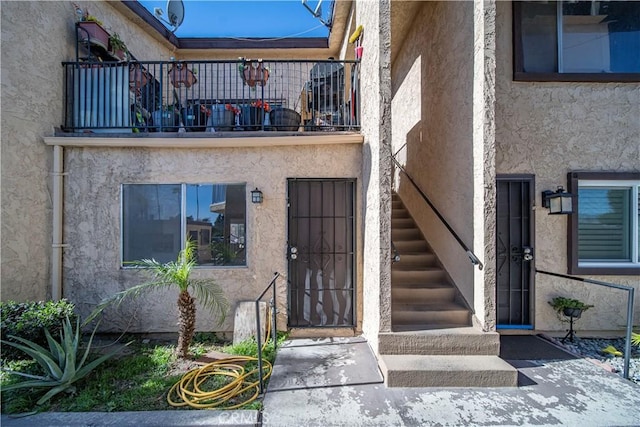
pixel 604 224
pixel 608 231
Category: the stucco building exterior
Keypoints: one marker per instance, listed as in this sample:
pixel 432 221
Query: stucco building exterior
pixel 449 108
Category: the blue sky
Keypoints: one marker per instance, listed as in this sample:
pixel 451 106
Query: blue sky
pixel 243 18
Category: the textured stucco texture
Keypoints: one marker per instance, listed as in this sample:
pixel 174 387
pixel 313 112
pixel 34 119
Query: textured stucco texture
pixel 376 129
pixel 432 110
pixel 92 221
pixel 549 129
pixel 36 37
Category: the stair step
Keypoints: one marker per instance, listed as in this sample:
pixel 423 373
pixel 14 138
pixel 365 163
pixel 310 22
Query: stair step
pixel 406 234
pixel 409 246
pixel 441 341
pixel 415 275
pixel 397 223
pixel 447 371
pixel 427 259
pixel 449 313
pixel 429 292
pixel 396 203
pixel 400 213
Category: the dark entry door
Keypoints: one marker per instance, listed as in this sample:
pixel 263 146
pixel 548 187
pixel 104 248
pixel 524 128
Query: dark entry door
pixel 321 252
pixel 514 251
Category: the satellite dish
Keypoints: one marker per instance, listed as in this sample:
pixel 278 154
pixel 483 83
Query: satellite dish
pixel 175 12
pixel 317 13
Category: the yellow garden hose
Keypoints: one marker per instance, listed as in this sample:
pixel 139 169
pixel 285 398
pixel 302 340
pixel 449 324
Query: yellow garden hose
pixel 191 389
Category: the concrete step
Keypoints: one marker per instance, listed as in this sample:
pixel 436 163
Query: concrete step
pixel 443 341
pixel 411 246
pixel 436 313
pixel 427 292
pixel 402 223
pixel 417 259
pixel 400 276
pixel 400 213
pixel 447 371
pixel 399 234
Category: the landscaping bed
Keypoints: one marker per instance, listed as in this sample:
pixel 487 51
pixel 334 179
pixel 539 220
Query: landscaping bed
pixel 591 348
pixel 138 379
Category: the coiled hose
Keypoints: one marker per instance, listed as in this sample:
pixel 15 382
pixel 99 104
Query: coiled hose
pixel 191 389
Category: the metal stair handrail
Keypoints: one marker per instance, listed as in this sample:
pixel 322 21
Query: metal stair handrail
pixel 629 289
pixel 472 256
pixel 274 329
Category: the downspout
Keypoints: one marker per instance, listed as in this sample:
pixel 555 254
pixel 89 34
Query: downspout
pixel 57 243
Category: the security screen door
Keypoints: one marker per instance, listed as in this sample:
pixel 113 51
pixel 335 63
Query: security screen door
pixel 321 252
pixel 514 251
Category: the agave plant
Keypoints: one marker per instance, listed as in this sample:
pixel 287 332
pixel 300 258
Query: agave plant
pixel 59 362
pixel 172 274
pixel 635 338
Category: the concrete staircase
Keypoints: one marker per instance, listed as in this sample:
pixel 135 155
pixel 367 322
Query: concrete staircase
pixel 433 343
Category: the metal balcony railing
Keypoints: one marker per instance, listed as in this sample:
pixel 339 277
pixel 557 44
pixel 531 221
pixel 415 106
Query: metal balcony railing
pixel 211 96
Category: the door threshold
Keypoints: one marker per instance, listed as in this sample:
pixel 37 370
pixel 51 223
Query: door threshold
pixel 323 332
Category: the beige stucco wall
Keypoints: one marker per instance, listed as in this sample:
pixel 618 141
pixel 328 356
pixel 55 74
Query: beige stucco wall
pixel 36 37
pixel 375 95
pixel 549 129
pixel 432 110
pixel 92 221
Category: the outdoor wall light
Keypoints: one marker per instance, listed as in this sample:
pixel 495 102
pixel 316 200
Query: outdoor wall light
pixel 256 196
pixel 558 202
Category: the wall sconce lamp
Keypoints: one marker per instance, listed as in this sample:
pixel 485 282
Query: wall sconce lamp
pixel 256 196
pixel 558 202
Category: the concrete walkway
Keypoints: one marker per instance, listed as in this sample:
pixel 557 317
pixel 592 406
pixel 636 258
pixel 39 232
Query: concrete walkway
pixel 557 391
pixel 336 382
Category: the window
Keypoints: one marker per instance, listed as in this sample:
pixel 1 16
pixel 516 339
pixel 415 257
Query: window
pixel 158 218
pixel 577 40
pixel 604 235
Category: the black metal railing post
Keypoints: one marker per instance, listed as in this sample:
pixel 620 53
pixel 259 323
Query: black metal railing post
pixel 630 298
pixel 259 342
pixel 258 325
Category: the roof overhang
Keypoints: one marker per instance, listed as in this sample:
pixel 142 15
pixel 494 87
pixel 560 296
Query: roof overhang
pixel 328 46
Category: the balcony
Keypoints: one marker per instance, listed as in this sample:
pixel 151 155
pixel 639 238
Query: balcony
pixel 211 98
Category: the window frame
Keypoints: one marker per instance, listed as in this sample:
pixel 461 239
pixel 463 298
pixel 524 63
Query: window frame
pixel 518 62
pixel 574 266
pixel 183 221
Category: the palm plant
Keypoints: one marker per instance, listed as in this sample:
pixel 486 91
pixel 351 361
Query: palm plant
pixel 172 274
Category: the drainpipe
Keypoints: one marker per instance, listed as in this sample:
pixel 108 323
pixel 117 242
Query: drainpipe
pixel 57 245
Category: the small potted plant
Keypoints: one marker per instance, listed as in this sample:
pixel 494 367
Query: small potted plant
pixel 569 307
pixel 91 30
pixel 117 46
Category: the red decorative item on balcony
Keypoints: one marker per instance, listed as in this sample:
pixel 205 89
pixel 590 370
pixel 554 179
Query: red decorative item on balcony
pixel 92 32
pixel 254 75
pixel 182 75
pixel 138 76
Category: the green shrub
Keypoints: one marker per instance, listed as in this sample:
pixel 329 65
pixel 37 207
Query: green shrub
pixel 28 320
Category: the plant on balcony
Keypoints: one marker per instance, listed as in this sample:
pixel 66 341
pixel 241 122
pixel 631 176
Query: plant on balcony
pixel 91 29
pixel 181 75
pixel 253 74
pixel 117 47
pixel 261 104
